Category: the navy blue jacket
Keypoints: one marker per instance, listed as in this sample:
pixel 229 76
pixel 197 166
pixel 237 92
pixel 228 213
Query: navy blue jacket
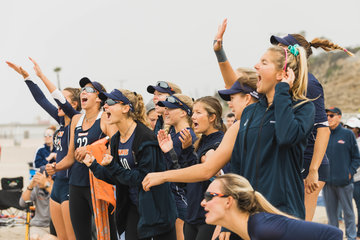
pixel 269 149
pixel 156 208
pixel 343 154
pixel 41 154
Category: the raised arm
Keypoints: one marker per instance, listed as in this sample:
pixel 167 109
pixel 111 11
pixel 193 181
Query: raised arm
pixel 55 93
pixel 49 85
pixel 198 172
pixel 36 92
pixel 227 72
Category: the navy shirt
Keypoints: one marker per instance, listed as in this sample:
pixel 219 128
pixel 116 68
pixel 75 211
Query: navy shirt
pixel 184 160
pixel 269 149
pixel 267 226
pixel 126 160
pixel 195 191
pixel 315 91
pixel 343 154
pixel 61 144
pixel 80 172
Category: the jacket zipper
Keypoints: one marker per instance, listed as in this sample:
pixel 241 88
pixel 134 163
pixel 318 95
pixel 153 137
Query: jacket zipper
pixel 258 150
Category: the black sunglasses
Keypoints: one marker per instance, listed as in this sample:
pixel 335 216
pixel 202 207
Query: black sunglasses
pixel 88 89
pixel 208 196
pixel 331 115
pixel 111 102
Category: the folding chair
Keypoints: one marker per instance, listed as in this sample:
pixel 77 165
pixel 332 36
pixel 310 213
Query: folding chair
pixel 10 194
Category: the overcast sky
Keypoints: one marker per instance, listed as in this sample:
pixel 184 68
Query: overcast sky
pixel 132 44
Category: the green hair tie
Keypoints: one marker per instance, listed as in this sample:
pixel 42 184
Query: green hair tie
pixel 294 49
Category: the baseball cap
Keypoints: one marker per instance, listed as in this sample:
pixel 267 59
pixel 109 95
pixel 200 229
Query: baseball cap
pixel 174 102
pixel 149 106
pixel 161 86
pixel 86 80
pixel 237 87
pixel 334 110
pixel 353 122
pixel 287 40
pixel 117 96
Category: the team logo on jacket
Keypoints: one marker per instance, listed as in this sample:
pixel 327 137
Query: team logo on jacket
pixel 341 141
pixel 123 152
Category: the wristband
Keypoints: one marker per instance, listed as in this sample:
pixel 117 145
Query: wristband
pixel 220 54
pixel 30 189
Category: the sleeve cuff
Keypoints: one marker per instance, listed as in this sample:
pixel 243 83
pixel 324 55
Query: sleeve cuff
pixel 56 94
pixel 27 78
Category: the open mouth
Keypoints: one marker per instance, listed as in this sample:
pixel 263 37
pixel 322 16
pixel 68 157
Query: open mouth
pixel 84 99
pixel 196 125
pixel 108 114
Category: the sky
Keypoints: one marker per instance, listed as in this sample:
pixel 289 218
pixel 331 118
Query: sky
pixel 132 44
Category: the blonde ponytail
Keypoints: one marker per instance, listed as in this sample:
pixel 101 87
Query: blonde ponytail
pixel 248 200
pixel 139 113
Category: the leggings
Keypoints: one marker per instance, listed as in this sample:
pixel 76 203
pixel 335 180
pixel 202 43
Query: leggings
pixel 81 213
pixel 131 227
pixel 198 231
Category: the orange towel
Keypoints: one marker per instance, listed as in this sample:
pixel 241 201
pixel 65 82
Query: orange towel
pixel 102 193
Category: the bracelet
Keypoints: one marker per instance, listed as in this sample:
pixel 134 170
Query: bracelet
pixel 30 189
pixel 220 54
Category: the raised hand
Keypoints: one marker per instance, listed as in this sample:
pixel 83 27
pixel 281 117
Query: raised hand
pixel 289 77
pixel 165 141
pixel 18 69
pixel 185 138
pixel 37 69
pixel 219 35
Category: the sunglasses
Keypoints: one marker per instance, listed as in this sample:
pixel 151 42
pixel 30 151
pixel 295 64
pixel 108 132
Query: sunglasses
pixel 111 102
pixel 174 100
pixel 48 135
pixel 208 196
pixel 163 84
pixel 88 89
pixel 331 115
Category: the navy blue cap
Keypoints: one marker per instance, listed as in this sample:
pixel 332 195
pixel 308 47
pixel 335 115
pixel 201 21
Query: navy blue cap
pixel 237 87
pixel 334 110
pixel 161 86
pixel 174 102
pixel 287 40
pixel 86 80
pixel 117 96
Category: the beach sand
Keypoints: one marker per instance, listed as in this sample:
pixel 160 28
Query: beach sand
pixel 13 163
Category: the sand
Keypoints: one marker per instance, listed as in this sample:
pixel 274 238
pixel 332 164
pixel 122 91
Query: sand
pixel 13 163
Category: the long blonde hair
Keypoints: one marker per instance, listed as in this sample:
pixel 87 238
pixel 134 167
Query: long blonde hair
pixel 248 200
pixel 300 67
